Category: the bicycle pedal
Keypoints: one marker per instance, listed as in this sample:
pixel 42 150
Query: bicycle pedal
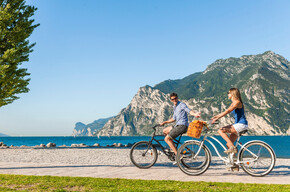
pixel 229 169
pixel 168 151
pixel 171 157
pixel 233 168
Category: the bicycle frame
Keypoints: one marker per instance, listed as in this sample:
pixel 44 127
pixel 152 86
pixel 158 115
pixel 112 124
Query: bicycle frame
pixel 175 141
pixel 228 160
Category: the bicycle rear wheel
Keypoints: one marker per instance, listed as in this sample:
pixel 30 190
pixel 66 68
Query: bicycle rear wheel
pixel 187 160
pixel 143 154
pixel 258 158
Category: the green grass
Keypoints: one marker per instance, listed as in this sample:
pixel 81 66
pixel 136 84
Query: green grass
pixel 52 183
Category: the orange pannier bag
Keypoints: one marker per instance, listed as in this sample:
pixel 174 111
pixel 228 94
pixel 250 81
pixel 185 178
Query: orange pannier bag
pixel 195 128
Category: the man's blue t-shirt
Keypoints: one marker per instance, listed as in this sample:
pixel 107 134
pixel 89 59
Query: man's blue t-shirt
pixel 180 113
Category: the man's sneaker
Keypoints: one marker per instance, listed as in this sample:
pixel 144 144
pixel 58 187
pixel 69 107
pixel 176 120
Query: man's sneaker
pixel 171 157
pixel 174 163
pixel 232 149
pixel 167 150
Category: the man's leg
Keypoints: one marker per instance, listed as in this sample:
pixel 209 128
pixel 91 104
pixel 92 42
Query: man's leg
pixel 168 140
pixel 170 143
pixel 175 132
pixel 167 130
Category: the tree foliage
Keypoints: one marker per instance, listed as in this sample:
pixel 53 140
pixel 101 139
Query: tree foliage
pixel 16 26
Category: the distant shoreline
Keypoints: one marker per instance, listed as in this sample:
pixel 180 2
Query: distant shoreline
pixel 278 143
pixel 140 136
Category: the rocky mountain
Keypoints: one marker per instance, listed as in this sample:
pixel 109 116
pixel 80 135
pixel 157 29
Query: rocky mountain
pixel 4 135
pixel 147 107
pixel 263 80
pixel 89 129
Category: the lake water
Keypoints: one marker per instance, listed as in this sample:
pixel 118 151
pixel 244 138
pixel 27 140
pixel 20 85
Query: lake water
pixel 280 144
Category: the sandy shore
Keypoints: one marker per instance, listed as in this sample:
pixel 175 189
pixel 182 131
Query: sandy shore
pixel 115 163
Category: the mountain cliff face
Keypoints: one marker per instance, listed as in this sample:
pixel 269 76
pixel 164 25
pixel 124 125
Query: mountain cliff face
pixel 90 129
pixel 148 107
pixel 4 135
pixel 262 79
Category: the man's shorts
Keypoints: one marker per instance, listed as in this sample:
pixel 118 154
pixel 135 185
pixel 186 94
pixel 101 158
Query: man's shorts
pixel 177 130
pixel 239 127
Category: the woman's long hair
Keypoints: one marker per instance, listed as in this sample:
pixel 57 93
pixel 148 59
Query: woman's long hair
pixel 236 93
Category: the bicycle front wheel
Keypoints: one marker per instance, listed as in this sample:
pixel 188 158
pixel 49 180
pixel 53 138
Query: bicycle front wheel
pixel 143 154
pixel 189 162
pixel 257 158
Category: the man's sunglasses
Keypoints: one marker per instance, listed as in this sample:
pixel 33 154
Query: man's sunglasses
pixel 172 99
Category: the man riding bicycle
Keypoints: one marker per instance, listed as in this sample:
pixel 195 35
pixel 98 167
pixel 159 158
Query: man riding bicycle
pixel 180 111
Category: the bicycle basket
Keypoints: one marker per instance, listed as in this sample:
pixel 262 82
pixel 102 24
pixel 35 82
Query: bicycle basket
pixel 195 128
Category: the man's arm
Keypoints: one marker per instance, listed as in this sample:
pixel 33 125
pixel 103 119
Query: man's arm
pixel 196 114
pixel 168 121
pixel 191 112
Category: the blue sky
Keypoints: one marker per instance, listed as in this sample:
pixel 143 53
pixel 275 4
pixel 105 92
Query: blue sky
pixel 92 56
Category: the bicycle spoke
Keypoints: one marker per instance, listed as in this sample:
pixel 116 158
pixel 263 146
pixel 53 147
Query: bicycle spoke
pixel 258 158
pixel 188 160
pixel 143 155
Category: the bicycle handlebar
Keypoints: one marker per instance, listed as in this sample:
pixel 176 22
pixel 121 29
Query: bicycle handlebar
pixel 209 122
pixel 154 127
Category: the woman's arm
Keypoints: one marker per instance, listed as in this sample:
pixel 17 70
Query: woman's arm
pixel 233 106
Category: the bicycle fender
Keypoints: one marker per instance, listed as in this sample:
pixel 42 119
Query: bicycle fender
pixel 253 141
pixel 192 140
pixel 197 141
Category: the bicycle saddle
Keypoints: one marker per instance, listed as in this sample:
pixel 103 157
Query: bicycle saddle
pixel 243 132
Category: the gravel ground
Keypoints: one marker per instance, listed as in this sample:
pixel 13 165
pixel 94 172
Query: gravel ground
pixel 115 163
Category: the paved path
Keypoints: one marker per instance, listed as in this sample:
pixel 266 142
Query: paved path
pixel 115 163
pixel 280 175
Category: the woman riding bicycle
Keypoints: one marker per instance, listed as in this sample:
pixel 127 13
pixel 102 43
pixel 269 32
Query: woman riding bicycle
pixel 241 124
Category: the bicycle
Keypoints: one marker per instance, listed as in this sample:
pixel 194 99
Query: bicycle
pixel 256 157
pixel 143 154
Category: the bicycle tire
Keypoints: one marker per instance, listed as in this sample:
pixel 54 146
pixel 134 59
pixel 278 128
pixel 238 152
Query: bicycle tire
pixel 256 166
pixel 187 163
pixel 143 154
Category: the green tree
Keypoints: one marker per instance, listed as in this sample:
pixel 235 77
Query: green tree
pixel 16 26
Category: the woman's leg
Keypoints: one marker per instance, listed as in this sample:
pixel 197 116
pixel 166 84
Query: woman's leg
pixel 233 137
pixel 228 129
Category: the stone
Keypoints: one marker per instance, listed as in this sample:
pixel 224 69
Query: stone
pixel 96 145
pixel 74 145
pixel 42 145
pixel 82 145
pixel 130 145
pixel 119 145
pixel 51 145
